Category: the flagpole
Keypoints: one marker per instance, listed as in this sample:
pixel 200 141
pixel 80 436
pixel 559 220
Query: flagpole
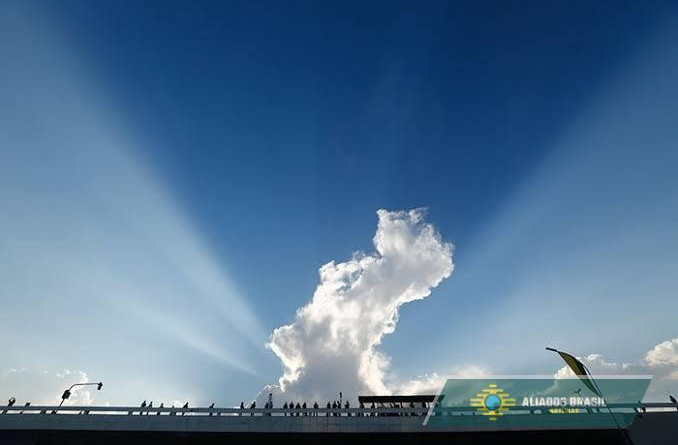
pixel 625 436
pixel 621 430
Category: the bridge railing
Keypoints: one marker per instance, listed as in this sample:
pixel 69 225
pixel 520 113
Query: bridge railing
pixel 309 412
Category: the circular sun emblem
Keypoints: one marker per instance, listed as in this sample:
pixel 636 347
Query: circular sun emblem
pixel 492 401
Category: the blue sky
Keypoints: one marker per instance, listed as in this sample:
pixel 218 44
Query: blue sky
pixel 174 175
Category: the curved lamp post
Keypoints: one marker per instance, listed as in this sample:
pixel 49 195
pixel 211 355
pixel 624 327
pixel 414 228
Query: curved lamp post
pixel 67 393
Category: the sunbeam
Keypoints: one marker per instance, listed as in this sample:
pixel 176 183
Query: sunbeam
pixel 588 240
pixel 87 222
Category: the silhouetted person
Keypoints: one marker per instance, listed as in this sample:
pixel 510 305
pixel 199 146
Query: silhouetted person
pixel 150 405
pixel 162 405
pixel 253 406
pixel 372 407
pixel 26 405
pixel 143 405
pixel 285 409
pixel 674 401
pixel 327 414
pixel 211 406
pixel 347 406
pixel 303 406
pixel 298 407
pixel 315 409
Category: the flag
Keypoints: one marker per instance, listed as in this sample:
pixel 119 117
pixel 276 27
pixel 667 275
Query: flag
pixel 580 371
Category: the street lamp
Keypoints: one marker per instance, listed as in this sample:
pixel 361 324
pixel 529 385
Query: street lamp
pixel 10 402
pixel 67 393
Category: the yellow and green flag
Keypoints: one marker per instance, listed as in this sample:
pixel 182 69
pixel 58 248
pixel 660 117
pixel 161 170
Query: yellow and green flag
pixel 581 371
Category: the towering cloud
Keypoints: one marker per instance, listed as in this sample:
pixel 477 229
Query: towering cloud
pixel 332 343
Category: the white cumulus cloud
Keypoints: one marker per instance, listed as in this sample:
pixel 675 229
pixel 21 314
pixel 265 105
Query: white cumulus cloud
pixel 331 345
pixel 661 362
pixel 44 387
pixel 665 353
pixel 432 383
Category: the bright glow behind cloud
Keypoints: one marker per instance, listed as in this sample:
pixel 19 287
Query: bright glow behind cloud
pixel 331 345
pixel 44 387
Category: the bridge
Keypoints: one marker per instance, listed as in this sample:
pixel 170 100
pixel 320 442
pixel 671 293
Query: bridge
pixel 655 424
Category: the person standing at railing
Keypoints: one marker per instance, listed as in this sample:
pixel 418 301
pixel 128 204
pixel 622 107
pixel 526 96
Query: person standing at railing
pixel 315 409
pixel 26 405
pixel 347 406
pixel 253 406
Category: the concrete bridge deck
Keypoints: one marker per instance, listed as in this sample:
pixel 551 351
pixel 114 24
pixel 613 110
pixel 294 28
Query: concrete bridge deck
pixel 49 424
